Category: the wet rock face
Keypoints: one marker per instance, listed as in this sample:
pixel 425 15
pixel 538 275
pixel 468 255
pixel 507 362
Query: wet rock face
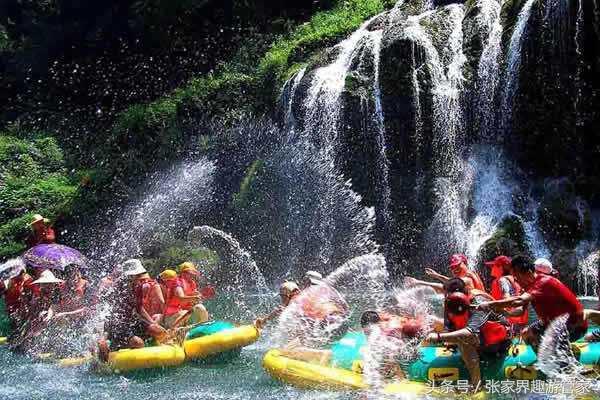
pixel 565 261
pixel 564 217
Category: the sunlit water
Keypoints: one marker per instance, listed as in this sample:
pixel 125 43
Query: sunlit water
pixel 242 378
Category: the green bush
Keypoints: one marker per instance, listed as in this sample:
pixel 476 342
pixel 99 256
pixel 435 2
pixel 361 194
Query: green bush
pixel 34 181
pixel 324 29
pixel 178 252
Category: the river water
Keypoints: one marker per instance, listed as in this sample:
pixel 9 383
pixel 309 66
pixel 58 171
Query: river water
pixel 242 378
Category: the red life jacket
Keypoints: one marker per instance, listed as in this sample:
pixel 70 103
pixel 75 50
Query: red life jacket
pixel 477 282
pixel 498 295
pixel 492 332
pixel 13 296
pixel 144 296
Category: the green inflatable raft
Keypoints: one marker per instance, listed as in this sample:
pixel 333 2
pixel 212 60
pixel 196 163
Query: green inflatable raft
pixel 440 363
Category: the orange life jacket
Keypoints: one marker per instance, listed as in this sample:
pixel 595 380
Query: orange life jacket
pixel 144 296
pixel 497 294
pixel 173 303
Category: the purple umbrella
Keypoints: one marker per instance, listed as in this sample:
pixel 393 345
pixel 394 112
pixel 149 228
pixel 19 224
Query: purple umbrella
pixel 53 256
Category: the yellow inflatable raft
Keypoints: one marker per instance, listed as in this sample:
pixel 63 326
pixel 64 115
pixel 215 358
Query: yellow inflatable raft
pixel 210 339
pixel 306 375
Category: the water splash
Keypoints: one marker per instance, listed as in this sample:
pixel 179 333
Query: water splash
pixel 362 280
pixel 238 275
pixel 513 65
pixel 492 197
pixel 588 257
pixel 164 209
pixel 9 268
pixel 535 239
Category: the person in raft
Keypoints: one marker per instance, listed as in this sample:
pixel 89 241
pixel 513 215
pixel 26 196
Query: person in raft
pixel 41 232
pixel 393 328
pixel 182 299
pixel 549 297
pixel 477 334
pixel 458 268
pixel 15 292
pixel 287 291
pixel 139 317
pixel 504 286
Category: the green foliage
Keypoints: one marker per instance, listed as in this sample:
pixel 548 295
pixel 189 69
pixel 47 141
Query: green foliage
pixel 323 29
pixel 5 43
pixel 34 180
pixel 179 252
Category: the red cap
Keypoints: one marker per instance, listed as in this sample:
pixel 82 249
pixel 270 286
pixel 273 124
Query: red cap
pixel 500 261
pixel 457 259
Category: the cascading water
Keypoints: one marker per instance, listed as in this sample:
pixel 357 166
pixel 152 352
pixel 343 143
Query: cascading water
pixel 383 162
pixel 324 216
pixel 492 197
pixel 445 67
pixel 488 71
pixel 513 66
pixel 579 40
pixel 287 97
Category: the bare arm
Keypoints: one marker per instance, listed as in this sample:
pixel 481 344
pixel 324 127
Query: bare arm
pixel 410 282
pixel 436 275
pixel 518 301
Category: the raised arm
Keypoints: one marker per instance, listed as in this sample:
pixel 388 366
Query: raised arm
pixel 411 282
pixel 517 301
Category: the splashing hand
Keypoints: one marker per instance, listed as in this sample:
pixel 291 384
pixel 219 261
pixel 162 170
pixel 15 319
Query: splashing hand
pixel 430 272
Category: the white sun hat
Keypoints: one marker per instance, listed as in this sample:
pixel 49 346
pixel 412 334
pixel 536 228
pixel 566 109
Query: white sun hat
pixel 133 267
pixel 47 277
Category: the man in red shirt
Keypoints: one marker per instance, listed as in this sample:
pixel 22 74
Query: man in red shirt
pixel 549 297
pixel 42 232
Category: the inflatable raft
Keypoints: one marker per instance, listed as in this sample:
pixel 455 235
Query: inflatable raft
pixel 215 338
pixel 435 364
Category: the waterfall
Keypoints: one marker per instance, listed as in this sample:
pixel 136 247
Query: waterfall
pixel 287 97
pixel 418 135
pixel 445 67
pixel 492 197
pixel 513 65
pixel 325 221
pixel 488 69
pixel 383 164
pixel 557 18
pixel 579 40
